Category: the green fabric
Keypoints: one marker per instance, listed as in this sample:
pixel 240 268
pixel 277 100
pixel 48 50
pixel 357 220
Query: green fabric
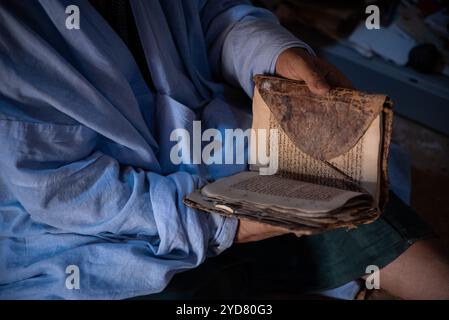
pixel 291 265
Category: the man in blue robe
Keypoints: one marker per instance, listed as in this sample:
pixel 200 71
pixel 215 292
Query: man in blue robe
pixel 90 203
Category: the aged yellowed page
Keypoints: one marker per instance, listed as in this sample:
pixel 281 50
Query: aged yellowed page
pixel 261 121
pixel 275 191
pixel 361 163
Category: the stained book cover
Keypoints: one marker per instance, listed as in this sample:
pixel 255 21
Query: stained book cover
pixel 331 160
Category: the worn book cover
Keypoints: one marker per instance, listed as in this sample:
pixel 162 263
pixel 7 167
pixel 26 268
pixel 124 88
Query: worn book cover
pixel 331 154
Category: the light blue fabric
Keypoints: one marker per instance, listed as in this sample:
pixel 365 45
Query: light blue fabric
pixel 85 176
pixel 347 291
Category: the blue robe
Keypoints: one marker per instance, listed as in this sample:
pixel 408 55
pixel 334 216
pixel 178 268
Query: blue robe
pixel 85 174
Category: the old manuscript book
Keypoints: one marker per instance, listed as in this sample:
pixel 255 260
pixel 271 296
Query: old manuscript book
pixel 332 160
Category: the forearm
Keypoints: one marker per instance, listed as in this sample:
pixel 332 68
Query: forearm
pixel 70 204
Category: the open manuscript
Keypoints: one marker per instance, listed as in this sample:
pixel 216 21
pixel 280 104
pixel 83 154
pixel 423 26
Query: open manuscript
pixel 331 160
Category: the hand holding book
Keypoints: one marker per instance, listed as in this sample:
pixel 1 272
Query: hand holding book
pixel 318 74
pixel 332 160
pixel 250 231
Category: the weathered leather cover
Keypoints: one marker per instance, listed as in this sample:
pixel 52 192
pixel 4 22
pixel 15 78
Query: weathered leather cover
pixel 322 126
pixel 326 127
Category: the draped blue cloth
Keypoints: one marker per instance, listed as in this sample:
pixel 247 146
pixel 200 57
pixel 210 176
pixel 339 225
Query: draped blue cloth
pixel 85 173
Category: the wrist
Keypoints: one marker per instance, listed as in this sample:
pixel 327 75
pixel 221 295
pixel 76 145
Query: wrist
pixel 223 232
